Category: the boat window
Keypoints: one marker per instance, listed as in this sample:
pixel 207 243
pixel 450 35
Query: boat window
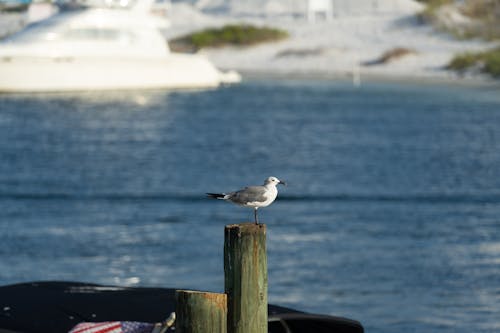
pixel 39 31
pixel 98 34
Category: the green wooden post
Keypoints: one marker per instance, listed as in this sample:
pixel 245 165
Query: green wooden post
pixel 200 312
pixel 245 277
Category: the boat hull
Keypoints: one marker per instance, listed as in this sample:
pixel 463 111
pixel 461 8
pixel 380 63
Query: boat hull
pixel 58 306
pixel 176 71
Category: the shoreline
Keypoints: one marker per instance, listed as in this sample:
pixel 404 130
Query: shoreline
pixel 344 76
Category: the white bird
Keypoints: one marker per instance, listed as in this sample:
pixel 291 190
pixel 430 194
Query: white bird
pixel 252 196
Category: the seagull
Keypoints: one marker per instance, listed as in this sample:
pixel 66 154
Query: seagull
pixel 252 196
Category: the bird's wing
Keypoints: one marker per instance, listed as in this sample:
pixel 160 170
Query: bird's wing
pixel 249 194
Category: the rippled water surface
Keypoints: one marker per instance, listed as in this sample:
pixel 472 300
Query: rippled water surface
pixel 391 216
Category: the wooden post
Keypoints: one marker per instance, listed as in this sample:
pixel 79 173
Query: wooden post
pixel 245 277
pixel 200 312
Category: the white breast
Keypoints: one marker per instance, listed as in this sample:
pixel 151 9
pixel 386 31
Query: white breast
pixel 271 194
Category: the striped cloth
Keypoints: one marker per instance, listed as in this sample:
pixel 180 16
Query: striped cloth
pixel 113 327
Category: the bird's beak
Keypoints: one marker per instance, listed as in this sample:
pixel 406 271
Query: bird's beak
pixel 282 182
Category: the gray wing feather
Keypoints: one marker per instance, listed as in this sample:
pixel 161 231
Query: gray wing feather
pixel 249 194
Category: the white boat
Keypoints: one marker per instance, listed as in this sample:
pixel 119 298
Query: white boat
pixel 100 49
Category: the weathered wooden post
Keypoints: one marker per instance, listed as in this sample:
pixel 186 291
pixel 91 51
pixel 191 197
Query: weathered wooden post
pixel 245 277
pixel 200 312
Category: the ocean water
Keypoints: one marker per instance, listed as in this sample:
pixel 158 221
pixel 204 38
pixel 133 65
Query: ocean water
pixel 391 215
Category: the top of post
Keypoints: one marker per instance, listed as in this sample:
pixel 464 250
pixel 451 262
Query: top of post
pixel 246 228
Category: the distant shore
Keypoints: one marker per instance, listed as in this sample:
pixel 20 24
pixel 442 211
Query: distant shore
pixel 338 47
pixel 330 49
pixel 471 81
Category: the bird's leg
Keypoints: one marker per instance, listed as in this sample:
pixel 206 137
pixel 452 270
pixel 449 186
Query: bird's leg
pixel 255 214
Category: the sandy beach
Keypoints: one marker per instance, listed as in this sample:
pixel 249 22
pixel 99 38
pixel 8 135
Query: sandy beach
pixel 343 46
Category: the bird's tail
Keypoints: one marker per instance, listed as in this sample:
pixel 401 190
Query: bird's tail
pixel 220 196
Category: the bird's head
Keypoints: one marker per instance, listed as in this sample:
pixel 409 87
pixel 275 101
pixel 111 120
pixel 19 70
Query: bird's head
pixel 274 181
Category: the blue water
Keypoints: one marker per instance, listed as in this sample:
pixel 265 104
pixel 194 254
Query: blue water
pixel 391 216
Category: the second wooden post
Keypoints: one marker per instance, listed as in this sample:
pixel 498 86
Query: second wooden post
pixel 245 277
pixel 200 312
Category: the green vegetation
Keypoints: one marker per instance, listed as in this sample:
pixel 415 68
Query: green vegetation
pixel 433 5
pixel 486 14
pixel 431 16
pixel 229 35
pixel 487 62
pixel 483 16
pixel 483 22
